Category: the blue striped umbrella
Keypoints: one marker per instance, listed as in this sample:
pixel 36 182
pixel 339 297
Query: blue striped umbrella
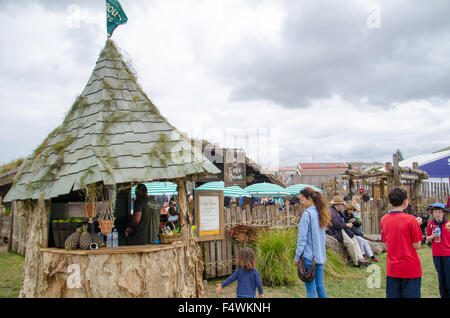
pixel 296 188
pixel 266 189
pixel 158 188
pixel 234 191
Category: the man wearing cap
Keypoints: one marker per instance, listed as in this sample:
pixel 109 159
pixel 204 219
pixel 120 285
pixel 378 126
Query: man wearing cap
pixel 143 224
pixel 341 232
pixel 440 247
pixel 364 195
pixel 403 238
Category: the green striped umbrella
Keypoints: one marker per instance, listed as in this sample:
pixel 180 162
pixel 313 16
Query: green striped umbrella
pixel 266 189
pixel 158 188
pixel 296 188
pixel 234 191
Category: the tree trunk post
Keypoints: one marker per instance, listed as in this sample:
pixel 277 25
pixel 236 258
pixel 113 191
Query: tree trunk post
pixel 194 259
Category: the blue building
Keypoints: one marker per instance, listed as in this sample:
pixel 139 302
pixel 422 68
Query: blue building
pixel 437 165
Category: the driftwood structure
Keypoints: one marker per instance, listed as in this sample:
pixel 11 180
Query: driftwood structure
pixel 112 138
pixel 382 182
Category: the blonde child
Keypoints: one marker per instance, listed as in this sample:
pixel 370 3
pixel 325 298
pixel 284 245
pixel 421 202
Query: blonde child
pixel 247 276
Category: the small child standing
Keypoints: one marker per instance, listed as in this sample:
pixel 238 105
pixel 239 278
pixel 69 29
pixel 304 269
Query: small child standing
pixel 247 276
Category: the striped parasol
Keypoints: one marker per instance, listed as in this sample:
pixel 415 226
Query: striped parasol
pixel 296 188
pixel 266 189
pixel 158 188
pixel 234 191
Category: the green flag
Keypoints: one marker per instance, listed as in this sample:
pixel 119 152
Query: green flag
pixel 115 16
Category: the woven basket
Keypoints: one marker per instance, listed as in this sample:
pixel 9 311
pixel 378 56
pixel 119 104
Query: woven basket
pixel 169 239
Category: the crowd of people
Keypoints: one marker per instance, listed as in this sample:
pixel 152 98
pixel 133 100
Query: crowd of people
pixel 342 220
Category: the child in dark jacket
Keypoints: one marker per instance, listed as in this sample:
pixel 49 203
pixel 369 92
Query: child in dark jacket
pixel 247 276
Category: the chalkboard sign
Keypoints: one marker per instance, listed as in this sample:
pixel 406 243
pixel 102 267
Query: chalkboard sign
pixel 234 169
pixel 209 215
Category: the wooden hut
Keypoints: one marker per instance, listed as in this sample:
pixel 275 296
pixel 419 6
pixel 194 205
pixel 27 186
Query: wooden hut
pixel 112 138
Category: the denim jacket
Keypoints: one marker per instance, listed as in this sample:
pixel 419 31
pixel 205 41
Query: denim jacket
pixel 304 244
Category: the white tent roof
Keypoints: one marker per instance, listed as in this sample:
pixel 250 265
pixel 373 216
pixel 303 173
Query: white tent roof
pixel 424 159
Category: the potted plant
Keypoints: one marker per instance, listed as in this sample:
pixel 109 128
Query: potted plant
pixel 92 194
pixel 106 217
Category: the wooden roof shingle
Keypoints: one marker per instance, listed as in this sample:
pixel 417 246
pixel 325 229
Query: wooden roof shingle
pixel 112 134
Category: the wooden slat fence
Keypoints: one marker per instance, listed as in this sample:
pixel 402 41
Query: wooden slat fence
pixel 219 256
pixel 371 216
pixel 435 191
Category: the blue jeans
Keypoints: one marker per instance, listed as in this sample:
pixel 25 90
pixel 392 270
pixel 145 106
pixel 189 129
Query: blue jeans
pixel 316 286
pixel 442 265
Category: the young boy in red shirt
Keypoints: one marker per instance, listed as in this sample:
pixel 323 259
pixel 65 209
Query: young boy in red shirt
pixel 403 237
pixel 440 247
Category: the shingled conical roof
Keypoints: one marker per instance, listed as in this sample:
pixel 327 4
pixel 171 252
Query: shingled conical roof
pixel 112 134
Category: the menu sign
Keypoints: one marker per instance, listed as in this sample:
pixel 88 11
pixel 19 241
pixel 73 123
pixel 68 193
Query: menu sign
pixel 209 223
pixel 209 215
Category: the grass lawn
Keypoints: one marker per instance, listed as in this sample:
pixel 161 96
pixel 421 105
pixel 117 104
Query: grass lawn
pixel 11 269
pixel 353 286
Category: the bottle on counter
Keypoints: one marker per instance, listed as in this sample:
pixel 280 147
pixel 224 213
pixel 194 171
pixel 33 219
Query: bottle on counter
pixel 109 240
pixel 115 238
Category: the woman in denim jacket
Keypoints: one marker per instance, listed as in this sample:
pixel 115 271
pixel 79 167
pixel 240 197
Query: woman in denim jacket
pixel 316 207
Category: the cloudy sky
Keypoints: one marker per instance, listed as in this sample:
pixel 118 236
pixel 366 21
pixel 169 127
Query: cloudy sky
pixel 290 80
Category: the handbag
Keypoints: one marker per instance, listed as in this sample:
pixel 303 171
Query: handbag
pixel 307 276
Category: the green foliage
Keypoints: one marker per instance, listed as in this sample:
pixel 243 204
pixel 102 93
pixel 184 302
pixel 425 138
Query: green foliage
pixel 11 165
pixel 70 220
pixel 400 155
pixel 336 268
pixel 275 250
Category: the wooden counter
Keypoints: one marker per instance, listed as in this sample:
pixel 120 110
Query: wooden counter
pixel 156 270
pixel 116 250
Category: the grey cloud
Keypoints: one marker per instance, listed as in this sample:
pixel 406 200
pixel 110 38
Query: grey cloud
pixel 328 49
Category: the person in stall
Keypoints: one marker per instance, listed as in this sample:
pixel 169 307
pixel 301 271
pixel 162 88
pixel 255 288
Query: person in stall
pixel 143 224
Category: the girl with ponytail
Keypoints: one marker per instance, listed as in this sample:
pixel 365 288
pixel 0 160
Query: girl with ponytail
pixel 312 225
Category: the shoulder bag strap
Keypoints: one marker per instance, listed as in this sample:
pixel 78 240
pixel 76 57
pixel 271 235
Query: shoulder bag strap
pixel 310 222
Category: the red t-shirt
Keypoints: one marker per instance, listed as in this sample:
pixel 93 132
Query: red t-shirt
pixel 442 248
pixel 400 230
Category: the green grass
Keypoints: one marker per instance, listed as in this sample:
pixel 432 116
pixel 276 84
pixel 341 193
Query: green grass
pixel 351 283
pixel 11 269
pixel 348 282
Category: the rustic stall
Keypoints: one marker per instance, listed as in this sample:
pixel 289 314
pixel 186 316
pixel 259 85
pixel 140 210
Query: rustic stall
pixel 379 182
pixel 112 138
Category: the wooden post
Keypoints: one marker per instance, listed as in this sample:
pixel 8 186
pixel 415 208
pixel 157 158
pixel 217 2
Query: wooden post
pixel 193 262
pixel 397 172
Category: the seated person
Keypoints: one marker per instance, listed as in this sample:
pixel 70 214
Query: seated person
pixel 165 208
pixel 341 231
pixel 349 217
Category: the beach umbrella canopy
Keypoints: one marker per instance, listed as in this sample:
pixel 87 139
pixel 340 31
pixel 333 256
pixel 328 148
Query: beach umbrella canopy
pixel 234 191
pixel 158 188
pixel 266 189
pixel 296 188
